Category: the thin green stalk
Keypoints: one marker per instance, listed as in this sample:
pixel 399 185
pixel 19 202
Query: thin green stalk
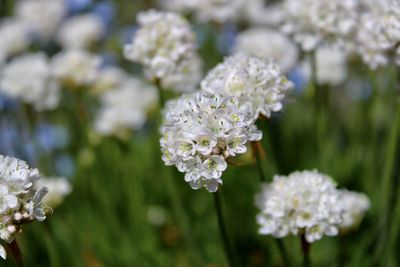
pixel 305 247
pixel 283 252
pixel 16 254
pixel 161 98
pixel 222 229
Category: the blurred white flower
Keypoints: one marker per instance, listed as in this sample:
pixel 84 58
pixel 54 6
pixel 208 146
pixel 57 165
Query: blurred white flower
pixel 220 10
pixel 59 188
pixel 125 107
pixel 304 202
pixel 109 78
pixel 258 13
pixel 256 80
pixel 331 63
pixel 312 22
pixel 30 79
pixel 269 44
pixel 20 203
pixel 200 131
pixel 179 6
pixel 378 34
pixel 76 68
pixel 81 31
pixel 14 38
pixel 355 205
pixel 166 47
pixel 42 16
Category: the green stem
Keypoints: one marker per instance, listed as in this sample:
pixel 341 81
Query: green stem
pixel 161 98
pixel 222 229
pixel 16 254
pixel 283 252
pixel 257 154
pixel 305 247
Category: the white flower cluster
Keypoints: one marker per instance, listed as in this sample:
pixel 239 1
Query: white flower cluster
pixel 304 202
pixel 30 78
pixel 58 187
pixel 14 38
pixel 42 16
pixel 201 131
pixel 252 79
pixel 265 43
pixel 166 47
pixel 76 68
pixel 20 203
pixel 378 34
pixel 125 107
pixel 355 205
pixel 312 22
pixel 81 31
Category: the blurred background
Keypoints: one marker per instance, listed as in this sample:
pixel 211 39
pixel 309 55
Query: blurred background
pixel 123 207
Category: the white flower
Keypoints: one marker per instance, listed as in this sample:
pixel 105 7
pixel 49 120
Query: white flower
pixel 200 131
pixel 355 205
pixel 312 22
pixel 76 68
pixel 331 63
pixel 220 10
pixel 14 38
pixel 125 107
pixel 265 43
pixel 58 187
pixel 109 78
pixel 179 6
pixel 30 79
pixel 81 31
pixel 304 202
pixel 258 13
pixel 166 47
pixel 252 79
pixel 378 36
pixel 20 203
pixel 43 16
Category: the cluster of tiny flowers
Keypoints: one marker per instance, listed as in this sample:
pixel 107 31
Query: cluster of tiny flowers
pixel 76 68
pixel 355 205
pixel 251 79
pixel 378 36
pixel 201 131
pixel 312 22
pixel 125 107
pixel 81 31
pixel 264 43
pixel 20 203
pixel 166 47
pixel 58 187
pixel 30 78
pixel 304 202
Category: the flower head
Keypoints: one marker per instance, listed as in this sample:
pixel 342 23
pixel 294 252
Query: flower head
pixel 59 188
pixel 14 38
pixel 20 203
pixel 252 79
pixel 200 131
pixel 166 47
pixel 355 205
pixel 304 202
pixel 30 78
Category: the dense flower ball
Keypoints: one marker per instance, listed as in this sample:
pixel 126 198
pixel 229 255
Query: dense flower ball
pixel 14 38
pixel 76 68
pixel 81 31
pixel 252 79
pixel 166 47
pixel 355 205
pixel 378 35
pixel 304 202
pixel 201 131
pixel 20 203
pixel 125 108
pixel 42 16
pixel 264 43
pixel 312 22
pixel 30 79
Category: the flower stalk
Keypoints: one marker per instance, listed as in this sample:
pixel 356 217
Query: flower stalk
pixel 305 248
pixel 15 253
